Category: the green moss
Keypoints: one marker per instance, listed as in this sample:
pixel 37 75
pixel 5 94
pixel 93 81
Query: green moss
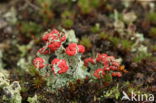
pixel 95 3
pixel 32 70
pixel 30 27
pixel 45 10
pixel 125 44
pixel 140 56
pixel 108 78
pixel 84 6
pixel 151 16
pixel 67 18
pixel 45 3
pixel 115 40
pixel 87 6
pixel 86 42
pixel 153 48
pixel 95 28
pixel 24 89
pixel 103 35
pixel 64 1
pixel 67 14
pixel 67 23
pixel 152 32
pixel 153 59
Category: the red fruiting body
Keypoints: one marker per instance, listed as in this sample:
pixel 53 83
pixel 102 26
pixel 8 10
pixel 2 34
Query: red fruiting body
pixel 44 51
pixel 54 36
pixel 101 58
pixel 38 62
pixel 63 38
pixel 106 69
pixel 113 74
pixel 61 64
pixel 114 63
pixel 45 37
pixel 71 50
pixel 116 74
pixel 99 73
pixel 113 68
pixel 81 48
pixel 54 46
pixel 89 60
pixel 63 67
pixel 55 61
pixel 111 58
pixel 119 74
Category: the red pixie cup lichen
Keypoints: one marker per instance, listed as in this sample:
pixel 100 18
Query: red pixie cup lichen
pixel 113 68
pixel 81 48
pixel 53 35
pixel 106 69
pixel 61 64
pixel 71 50
pixel 114 63
pixel 116 74
pixel 55 61
pixel 98 73
pixel 44 51
pixel 101 58
pixel 54 46
pixel 67 65
pixel 38 62
pixel 88 60
pixel 63 38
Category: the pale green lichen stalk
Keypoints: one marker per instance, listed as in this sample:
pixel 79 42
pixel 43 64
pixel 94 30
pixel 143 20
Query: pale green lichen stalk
pixel 11 92
pixel 33 99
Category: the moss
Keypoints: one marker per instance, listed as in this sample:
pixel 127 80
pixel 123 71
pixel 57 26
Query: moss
pixel 151 17
pixel 67 14
pixel 67 23
pixel 152 32
pixel 45 3
pixel 46 10
pixel 95 28
pixel 67 18
pixel 153 48
pixel 24 89
pixel 140 56
pixel 108 78
pixel 103 35
pixel 115 41
pixel 38 82
pixel 87 6
pixel 86 42
pixel 125 44
pixel 30 27
pixel 84 6
pixel 95 3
